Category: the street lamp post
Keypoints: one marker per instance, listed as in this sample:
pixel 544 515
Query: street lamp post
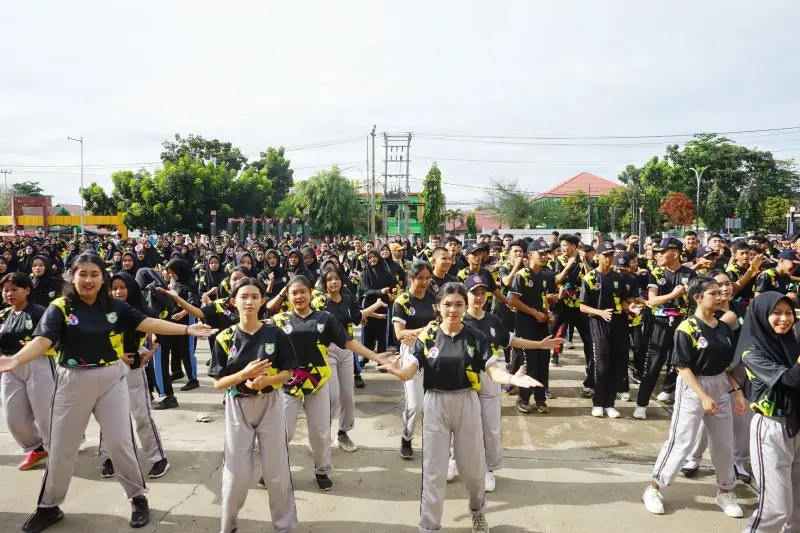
pixel 80 140
pixel 697 205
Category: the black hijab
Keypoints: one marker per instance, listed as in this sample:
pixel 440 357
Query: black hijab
pixel 214 278
pixel 154 302
pixel 134 298
pixel 380 275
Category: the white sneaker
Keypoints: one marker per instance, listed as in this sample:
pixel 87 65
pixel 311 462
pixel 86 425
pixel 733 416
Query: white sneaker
pixel 640 413
pixel 569 345
pixel 597 411
pixel 727 502
pixel 452 470
pixel 665 397
pixel 612 412
pixel 653 501
pixel 624 396
pixel 489 482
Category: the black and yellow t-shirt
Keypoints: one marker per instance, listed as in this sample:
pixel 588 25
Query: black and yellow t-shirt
pixel 346 311
pixel 533 289
pixel 735 272
pixel 704 350
pixel 764 389
pixel 770 280
pixel 437 282
pixel 451 363
pixel 665 280
pixel 219 315
pixel 16 329
pixel 88 335
pixel 414 312
pixel 234 349
pixel 494 330
pixel 604 291
pixel 571 281
pixel 311 335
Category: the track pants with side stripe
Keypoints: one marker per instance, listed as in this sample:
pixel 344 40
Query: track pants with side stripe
pixel 776 467
pixel 247 419
pixel 414 397
pixel 610 344
pixel 741 439
pixel 457 416
pixel 659 347
pixel 27 393
pixel 342 386
pixel 146 428
pixel 79 393
pixel 318 419
pixel 687 416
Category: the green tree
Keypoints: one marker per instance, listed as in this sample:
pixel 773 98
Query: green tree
pixel 96 201
pixel 576 209
pixel 774 211
pixel 5 204
pixel 208 151
pixel 278 170
pixel 432 201
pixel 26 188
pixel 331 202
pixel 454 215
pixel 613 211
pixel 472 224
pixel 62 212
pixel 511 206
pixel 717 208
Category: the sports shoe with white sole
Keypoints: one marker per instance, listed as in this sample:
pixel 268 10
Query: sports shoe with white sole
pixel 569 345
pixel 452 470
pixel 665 397
pixel 489 482
pixel 344 442
pixel 611 412
pixel 640 413
pixel 727 502
pixel 653 500
pixel 597 411
pixel 479 524
pixel 624 396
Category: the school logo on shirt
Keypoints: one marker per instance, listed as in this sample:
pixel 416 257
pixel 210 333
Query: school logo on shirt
pixel 433 353
pixel 287 328
pixel 73 320
pixel 529 283
pixel 470 350
pixel 662 281
pixel 269 348
pixel 28 324
pixel 233 351
pixel 51 294
pixel 702 342
pixel 320 328
pixel 435 288
pixel 412 311
pixel 112 317
pixel 616 284
pixel 491 331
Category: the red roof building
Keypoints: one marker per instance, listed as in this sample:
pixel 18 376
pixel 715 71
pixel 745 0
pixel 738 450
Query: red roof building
pixel 587 182
pixel 484 220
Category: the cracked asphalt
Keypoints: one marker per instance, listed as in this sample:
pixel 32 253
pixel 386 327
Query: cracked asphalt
pixel 565 472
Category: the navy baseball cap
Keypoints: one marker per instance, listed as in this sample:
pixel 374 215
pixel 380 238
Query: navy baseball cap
pixel 475 280
pixel 789 254
pixel 538 246
pixel 706 250
pixel 606 247
pixel 476 247
pixel 622 260
pixel 669 243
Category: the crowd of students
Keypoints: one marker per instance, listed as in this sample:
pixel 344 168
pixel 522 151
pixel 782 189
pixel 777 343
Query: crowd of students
pixel 280 316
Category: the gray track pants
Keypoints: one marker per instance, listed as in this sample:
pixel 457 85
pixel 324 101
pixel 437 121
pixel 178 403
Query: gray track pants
pixel 686 418
pixel 449 415
pixel 79 393
pixel 741 439
pixel 342 387
pixel 414 394
pixel 248 418
pixel 139 396
pixel 318 419
pixel 27 393
pixel 776 466
pixel 491 420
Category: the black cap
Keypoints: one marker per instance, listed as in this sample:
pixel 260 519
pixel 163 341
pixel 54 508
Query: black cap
pixel 669 243
pixel 538 246
pixel 606 247
pixel 789 254
pixel 476 247
pixel 706 250
pixel 622 260
pixel 475 280
pixel 588 248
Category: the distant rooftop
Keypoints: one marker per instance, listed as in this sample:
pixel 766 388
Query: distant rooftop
pixel 585 181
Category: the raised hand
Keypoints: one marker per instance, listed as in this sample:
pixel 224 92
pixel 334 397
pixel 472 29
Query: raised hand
pixel 201 330
pixel 256 368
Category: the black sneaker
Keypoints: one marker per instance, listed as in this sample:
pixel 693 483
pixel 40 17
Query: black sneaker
pixel 208 362
pixel 140 512
pixel 586 392
pixel 690 472
pixel 554 360
pixel 323 482
pixel 405 449
pixel 261 483
pixel 108 469
pixel 524 407
pixel 175 376
pixel 41 519
pixel 742 475
pixel 159 469
pixel 359 381
pixel 190 385
pixel 169 402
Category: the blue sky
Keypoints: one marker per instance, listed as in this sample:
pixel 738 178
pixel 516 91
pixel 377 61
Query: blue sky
pixel 299 73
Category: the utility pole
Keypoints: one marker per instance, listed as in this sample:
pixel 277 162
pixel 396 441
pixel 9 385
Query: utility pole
pixel 6 172
pixel 697 205
pixel 408 186
pixel 374 195
pixel 80 140
pixel 396 150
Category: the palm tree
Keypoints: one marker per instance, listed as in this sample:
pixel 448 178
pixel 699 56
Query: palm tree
pixel 453 215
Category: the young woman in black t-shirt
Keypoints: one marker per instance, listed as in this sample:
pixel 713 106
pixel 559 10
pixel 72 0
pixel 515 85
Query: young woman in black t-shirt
pixel 250 361
pixel 453 356
pixel 705 393
pixel 86 328
pixel 27 389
